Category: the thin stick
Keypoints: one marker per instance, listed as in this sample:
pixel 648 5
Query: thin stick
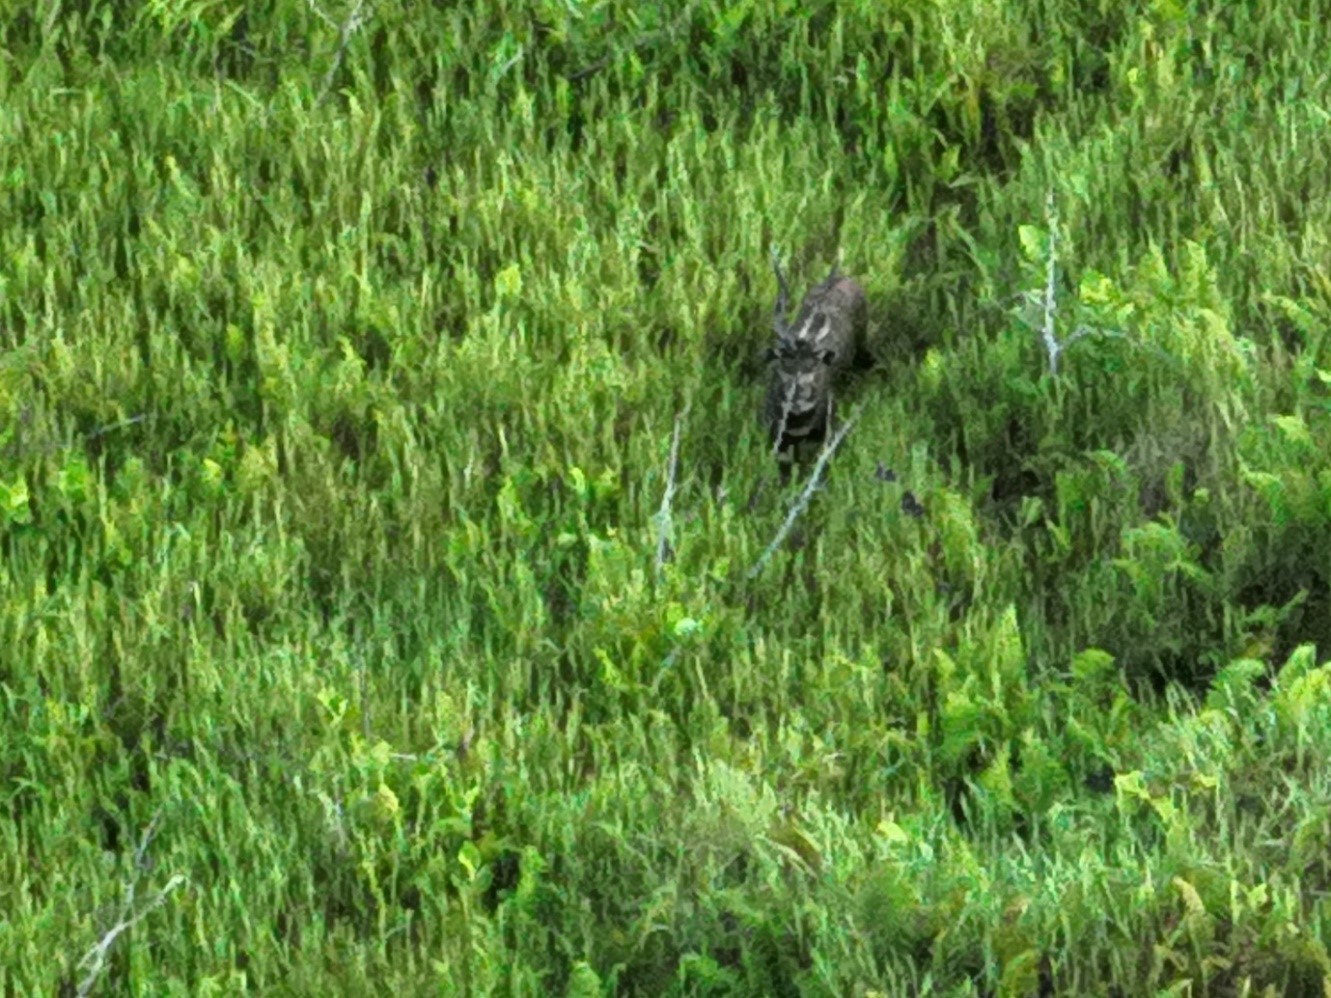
pixel 110 427
pixel 803 501
pixel 663 517
pixel 344 32
pixel 124 922
pixel 1053 348
pixel 1051 344
pixel 97 955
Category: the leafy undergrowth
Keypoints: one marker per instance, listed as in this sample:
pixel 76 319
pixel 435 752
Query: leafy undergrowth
pixel 346 647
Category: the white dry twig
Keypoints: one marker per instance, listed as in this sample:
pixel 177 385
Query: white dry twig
pixel 663 517
pixel 355 20
pixel 111 427
pixel 806 494
pixel 96 956
pixel 1047 301
pixel 1051 345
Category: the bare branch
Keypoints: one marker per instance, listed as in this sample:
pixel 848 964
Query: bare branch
pixel 355 19
pixel 111 427
pixel 589 70
pixel 318 12
pixel 803 501
pixel 96 956
pixel 1047 305
pixel 145 840
pixel 663 517
pixel 1051 344
pixel 509 63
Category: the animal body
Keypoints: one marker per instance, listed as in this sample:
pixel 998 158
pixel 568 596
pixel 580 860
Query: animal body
pixel 807 359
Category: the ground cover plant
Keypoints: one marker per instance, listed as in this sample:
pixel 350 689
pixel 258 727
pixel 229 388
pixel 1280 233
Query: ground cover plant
pixel 396 593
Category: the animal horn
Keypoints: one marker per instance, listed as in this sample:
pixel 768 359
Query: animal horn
pixel 836 267
pixel 782 296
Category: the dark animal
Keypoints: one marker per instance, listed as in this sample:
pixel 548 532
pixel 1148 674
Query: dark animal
pixel 807 359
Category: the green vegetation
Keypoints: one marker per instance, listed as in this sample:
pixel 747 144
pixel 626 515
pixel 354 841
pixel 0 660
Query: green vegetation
pixel 338 378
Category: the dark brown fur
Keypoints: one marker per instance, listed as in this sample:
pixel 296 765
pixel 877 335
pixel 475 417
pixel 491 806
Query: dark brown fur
pixel 808 358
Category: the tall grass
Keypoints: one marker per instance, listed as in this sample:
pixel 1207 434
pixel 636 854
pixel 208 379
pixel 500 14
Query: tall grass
pixel 339 376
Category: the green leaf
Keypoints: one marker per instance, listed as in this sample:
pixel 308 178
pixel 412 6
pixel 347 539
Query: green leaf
pixel 1294 429
pixel 1092 664
pixel 1301 661
pixel 1009 656
pixel 584 982
pixel 1097 289
pixel 1233 681
pixel 686 626
pixel 1032 242
pixel 74 479
pixel 508 282
pixel 1021 974
pixel 14 502
pixel 960 721
pixel 469 858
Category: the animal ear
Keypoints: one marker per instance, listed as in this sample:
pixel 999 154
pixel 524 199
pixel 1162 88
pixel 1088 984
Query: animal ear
pixel 780 306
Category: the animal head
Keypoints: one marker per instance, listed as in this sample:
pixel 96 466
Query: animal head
pixel 803 368
pixel 812 325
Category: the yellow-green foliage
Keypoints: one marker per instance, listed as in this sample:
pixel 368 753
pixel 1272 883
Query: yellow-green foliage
pixel 341 347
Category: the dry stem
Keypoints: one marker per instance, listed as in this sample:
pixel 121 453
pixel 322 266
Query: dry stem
pixel 803 501
pixel 344 32
pixel 663 517
pixel 124 919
